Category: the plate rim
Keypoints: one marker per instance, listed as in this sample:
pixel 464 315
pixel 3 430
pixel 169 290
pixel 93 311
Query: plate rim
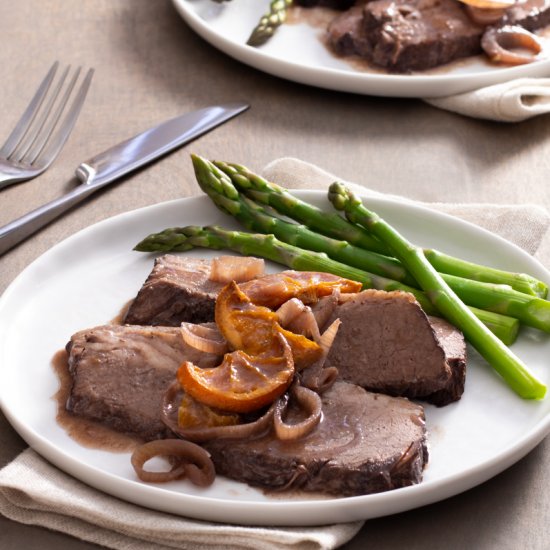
pixel 409 86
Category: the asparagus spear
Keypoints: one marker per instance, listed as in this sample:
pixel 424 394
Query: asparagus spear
pixel 181 239
pixel 530 310
pixel 334 226
pixel 219 187
pixel 501 358
pixel 269 22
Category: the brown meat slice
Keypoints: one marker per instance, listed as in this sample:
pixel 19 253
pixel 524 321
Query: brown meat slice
pixel 387 344
pixel 407 35
pixel 453 344
pixel 411 35
pixel 176 290
pixel 365 443
pixel 120 374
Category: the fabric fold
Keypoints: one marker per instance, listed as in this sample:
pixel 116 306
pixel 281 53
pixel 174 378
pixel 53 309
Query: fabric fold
pixel 34 492
pixel 512 101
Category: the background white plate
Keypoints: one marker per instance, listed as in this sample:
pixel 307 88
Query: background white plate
pixel 85 280
pixel 296 53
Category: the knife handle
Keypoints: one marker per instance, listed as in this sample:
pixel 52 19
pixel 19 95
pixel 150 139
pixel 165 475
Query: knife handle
pixel 18 230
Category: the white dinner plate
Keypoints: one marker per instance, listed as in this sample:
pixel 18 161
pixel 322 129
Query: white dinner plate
pixel 296 52
pixel 86 280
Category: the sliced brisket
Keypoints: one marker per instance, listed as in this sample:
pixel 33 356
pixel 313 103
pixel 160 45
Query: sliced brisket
pixel 365 443
pixel 410 356
pixel 177 289
pixel 120 374
pixel 386 343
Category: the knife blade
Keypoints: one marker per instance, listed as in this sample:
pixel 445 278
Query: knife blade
pixel 118 161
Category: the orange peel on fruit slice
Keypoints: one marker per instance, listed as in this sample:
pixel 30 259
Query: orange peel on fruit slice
pixel 490 4
pixel 253 329
pixel 242 383
pixel 308 286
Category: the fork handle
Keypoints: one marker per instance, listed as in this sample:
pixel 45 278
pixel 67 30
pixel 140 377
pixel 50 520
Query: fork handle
pixel 18 230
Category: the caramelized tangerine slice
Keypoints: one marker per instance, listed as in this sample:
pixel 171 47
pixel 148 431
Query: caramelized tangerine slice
pixel 308 286
pixel 254 329
pixel 241 383
pixel 194 414
pixel 491 4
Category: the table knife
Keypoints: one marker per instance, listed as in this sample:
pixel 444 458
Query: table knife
pixel 118 161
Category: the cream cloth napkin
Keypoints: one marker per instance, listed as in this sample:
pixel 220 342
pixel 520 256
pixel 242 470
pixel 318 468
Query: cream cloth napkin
pixel 511 101
pixel 32 491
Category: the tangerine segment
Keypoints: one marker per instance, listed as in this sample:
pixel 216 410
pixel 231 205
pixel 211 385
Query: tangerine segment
pixel 194 414
pixel 491 4
pixel 241 383
pixel 308 286
pixel 244 325
pixel 254 329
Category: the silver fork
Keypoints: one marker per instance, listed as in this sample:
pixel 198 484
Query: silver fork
pixel 35 143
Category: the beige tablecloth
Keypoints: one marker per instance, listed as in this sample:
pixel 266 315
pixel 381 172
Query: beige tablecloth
pixel 151 66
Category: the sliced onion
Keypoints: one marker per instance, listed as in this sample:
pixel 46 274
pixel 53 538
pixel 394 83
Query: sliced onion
pixel 499 44
pixel 316 377
pixel 325 307
pixel 295 316
pixel 225 269
pixel 203 338
pixel 188 460
pixel 319 379
pixel 288 311
pixel 327 339
pixel 309 402
pixel 485 16
pixel 169 415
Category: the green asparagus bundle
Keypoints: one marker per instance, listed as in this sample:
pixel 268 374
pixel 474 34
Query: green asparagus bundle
pixel 269 22
pixel 528 309
pixel 219 187
pixel 181 239
pixel 500 357
pixel 333 225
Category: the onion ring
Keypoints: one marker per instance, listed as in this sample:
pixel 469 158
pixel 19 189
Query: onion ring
pixel 325 307
pixel 205 339
pixel 308 401
pixel 497 44
pixel 298 318
pixel 225 269
pixel 484 16
pixel 189 460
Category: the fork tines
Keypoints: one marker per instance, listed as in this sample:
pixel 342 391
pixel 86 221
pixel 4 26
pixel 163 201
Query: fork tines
pixel 33 141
